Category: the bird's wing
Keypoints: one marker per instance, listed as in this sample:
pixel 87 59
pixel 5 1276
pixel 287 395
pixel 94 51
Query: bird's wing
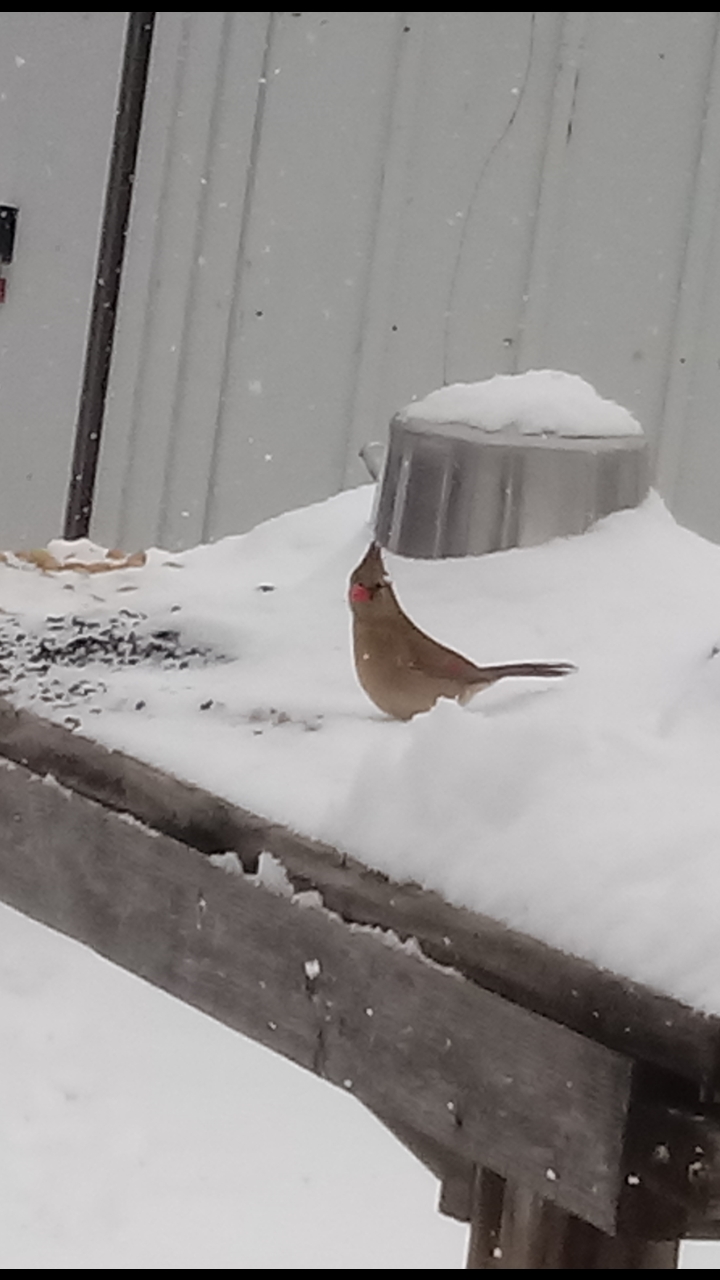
pixel 437 660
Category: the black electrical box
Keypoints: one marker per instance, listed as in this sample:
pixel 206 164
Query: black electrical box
pixel 8 223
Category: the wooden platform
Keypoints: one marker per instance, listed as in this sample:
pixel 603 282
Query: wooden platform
pixel 530 1082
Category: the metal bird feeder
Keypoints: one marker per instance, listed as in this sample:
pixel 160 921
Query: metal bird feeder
pixel 449 489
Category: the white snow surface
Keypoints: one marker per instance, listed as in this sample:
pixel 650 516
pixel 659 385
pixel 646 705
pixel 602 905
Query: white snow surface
pixel 138 1133
pixel 539 402
pixel 584 811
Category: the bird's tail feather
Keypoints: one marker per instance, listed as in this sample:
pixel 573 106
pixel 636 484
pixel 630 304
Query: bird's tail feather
pixel 542 669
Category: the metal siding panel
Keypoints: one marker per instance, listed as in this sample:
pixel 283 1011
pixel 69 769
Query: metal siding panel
pixel 182 202
pixel 688 463
pixel 693 427
pixel 112 521
pixel 336 212
pixel 226 199
pixel 622 215
pixel 455 230
pixel 177 293
pixel 304 273
pixel 58 84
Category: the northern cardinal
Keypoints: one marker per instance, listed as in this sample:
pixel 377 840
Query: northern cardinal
pixel 402 670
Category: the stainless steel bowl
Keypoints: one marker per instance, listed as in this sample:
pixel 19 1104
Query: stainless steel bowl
pixel 452 490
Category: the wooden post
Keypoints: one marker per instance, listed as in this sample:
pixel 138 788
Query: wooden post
pixel 513 1230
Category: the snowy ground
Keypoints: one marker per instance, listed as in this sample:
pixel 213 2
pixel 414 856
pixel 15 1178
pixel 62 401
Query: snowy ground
pixel 136 1132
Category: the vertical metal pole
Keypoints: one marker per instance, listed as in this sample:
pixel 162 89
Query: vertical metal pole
pixel 128 119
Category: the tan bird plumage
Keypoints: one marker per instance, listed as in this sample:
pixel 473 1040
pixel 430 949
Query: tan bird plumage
pixel 402 670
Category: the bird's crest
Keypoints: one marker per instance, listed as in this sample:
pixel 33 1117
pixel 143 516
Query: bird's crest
pixel 369 575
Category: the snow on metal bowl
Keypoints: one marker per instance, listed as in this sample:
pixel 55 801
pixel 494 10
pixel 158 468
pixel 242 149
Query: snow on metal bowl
pixel 512 461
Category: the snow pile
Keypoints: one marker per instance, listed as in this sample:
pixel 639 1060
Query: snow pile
pixel 584 811
pixel 540 402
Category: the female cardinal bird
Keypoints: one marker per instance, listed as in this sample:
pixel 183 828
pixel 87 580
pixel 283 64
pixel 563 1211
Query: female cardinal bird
pixel 401 669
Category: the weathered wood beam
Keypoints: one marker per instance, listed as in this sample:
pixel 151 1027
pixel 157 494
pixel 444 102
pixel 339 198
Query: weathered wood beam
pixel 675 1155
pixel 511 1229
pixel 462 1077
pixel 623 1015
pixel 468 1071
pixel 671 1173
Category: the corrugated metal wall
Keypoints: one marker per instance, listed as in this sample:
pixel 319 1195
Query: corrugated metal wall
pixel 335 212
pixel 58 86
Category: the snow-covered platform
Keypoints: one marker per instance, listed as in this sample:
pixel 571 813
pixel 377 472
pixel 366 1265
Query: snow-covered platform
pixel 482 1048
pixel 496 925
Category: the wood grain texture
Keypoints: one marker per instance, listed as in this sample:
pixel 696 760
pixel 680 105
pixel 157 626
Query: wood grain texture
pixel 670 1185
pixel 612 1010
pixel 468 1070
pixel 674 1153
pixel 514 1230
